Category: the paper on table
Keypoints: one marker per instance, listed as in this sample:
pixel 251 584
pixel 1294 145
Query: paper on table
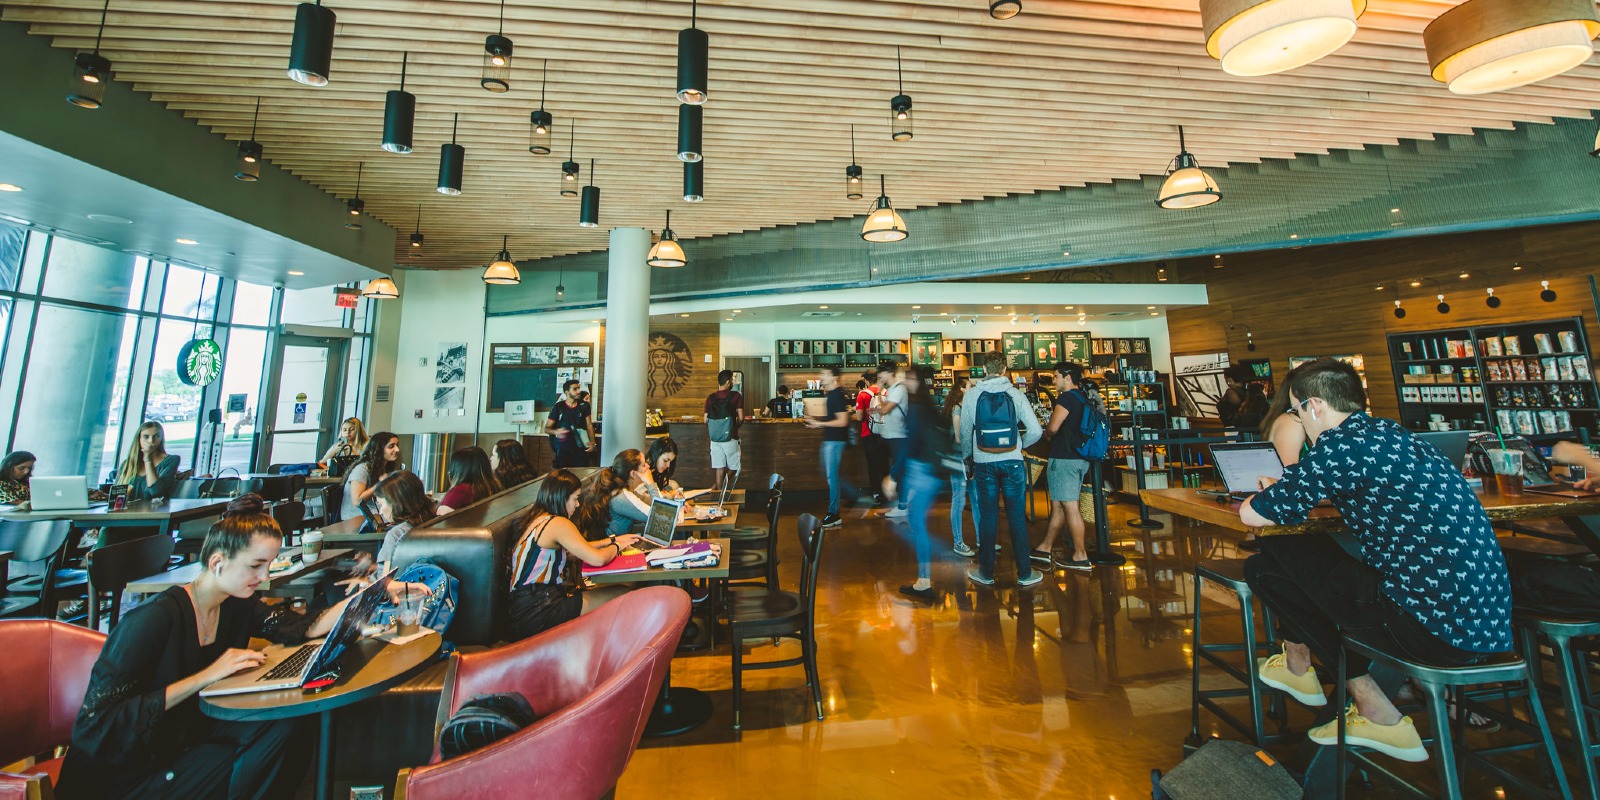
pixel 392 638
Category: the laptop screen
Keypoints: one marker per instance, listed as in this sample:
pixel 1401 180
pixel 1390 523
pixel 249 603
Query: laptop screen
pixel 1241 465
pixel 347 629
pixel 662 524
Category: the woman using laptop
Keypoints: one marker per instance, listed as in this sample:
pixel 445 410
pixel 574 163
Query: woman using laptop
pixel 546 585
pixel 15 471
pixel 147 470
pixel 141 733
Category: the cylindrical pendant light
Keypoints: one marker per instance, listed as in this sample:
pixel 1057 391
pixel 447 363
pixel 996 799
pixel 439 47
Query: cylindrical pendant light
pixel 247 165
pixel 497 58
pixel 694 181
pixel 884 223
pixel 381 288
pixel 694 49
pixel 1484 46
pixel 589 211
pixel 541 122
pixel 399 115
pixel 1264 37
pixel 355 205
pixel 1187 186
pixel 900 106
pixel 311 49
pixel 416 233
pixel 667 252
pixel 502 272
pixel 452 161
pixel 561 286
pixel 570 169
pixel 1005 9
pixel 91 71
pixel 689 132
pixel 852 173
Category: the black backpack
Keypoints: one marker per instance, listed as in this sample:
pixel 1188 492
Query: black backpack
pixel 484 720
pixel 1557 588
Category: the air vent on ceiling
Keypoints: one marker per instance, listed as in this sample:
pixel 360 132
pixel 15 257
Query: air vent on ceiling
pixel 822 313
pixel 1117 314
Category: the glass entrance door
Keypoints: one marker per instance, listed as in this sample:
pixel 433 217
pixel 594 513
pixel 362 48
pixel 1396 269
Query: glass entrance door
pixel 303 402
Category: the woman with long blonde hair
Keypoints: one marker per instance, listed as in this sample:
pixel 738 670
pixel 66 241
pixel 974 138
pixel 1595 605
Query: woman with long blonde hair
pixel 148 470
pixel 352 441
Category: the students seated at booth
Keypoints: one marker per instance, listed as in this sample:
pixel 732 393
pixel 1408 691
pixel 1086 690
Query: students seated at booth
pixel 511 464
pixel 15 472
pixel 471 479
pixel 546 587
pixel 663 458
pixel 147 470
pixel 618 499
pixel 403 501
pixel 352 441
pixel 381 457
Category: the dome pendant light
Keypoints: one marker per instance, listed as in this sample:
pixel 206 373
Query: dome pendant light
pixel 355 205
pixel 416 234
pixel 689 132
pixel 1265 37
pixel 497 58
pixel 900 106
pixel 541 122
pixel 399 114
pixel 311 49
pixel 667 252
pixel 884 223
pixel 91 71
pixel 1187 186
pixel 248 165
pixel 502 272
pixel 693 59
pixel 852 173
pixel 570 169
pixel 589 208
pixel 1483 46
pixel 1005 9
pixel 452 161
pixel 694 181
pixel 381 288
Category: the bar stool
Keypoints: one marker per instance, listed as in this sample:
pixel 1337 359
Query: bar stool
pixel 1448 738
pixel 1229 574
pixel 1572 678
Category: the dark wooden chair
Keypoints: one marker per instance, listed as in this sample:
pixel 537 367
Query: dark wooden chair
pixel 291 517
pixel 203 488
pixel 113 567
pixel 755 558
pixel 277 488
pixel 759 614
pixel 42 543
pixel 332 504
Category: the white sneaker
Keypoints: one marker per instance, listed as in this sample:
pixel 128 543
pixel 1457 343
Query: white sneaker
pixel 894 513
pixel 964 551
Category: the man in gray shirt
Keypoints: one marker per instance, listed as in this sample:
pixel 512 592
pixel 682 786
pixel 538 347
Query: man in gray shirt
pixel 891 412
pixel 989 438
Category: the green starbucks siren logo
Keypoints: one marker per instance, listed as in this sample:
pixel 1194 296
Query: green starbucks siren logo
pixel 200 362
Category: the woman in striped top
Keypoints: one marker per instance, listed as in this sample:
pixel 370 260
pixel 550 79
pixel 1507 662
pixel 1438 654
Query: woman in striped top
pixel 546 589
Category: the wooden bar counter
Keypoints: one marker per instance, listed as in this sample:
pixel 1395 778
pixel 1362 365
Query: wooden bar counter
pixel 1190 503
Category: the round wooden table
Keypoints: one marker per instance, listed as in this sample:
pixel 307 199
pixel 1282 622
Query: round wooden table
pixel 368 668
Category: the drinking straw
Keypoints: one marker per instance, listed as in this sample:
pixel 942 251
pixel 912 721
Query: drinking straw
pixel 1502 437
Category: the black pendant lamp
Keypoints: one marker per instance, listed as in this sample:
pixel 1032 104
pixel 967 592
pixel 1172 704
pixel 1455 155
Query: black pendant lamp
pixel 1187 185
pixel 667 252
pixel 497 58
pixel 452 160
pixel 247 166
pixel 900 106
pixel 589 211
pixel 91 71
pixel 355 205
pixel 689 119
pixel 570 168
pixel 561 286
pixel 503 272
pixel 399 115
pixel 416 233
pixel 311 49
pixel 852 173
pixel 541 122
pixel 884 223
pixel 694 49
pixel 694 181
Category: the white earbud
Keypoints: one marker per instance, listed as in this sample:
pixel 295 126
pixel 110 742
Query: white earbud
pixel 217 570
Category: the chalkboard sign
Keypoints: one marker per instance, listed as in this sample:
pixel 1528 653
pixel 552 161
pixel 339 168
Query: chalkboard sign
pixel 509 384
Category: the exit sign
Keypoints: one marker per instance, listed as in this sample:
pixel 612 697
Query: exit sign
pixel 345 297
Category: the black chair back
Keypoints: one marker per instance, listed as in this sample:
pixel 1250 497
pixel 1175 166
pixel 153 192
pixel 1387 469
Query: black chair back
pixel 113 567
pixel 274 469
pixel 290 516
pixel 812 535
pixel 332 504
pixel 774 502
pixel 202 488
pixel 277 488
pixel 41 542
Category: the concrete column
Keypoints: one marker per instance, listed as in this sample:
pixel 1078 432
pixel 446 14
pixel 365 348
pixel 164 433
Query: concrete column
pixel 627 333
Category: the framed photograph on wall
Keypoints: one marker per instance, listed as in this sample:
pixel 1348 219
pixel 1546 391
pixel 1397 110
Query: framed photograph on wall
pixel 544 354
pixel 507 355
pixel 576 355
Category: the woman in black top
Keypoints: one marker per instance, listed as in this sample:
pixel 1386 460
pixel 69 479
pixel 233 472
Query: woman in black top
pixel 141 732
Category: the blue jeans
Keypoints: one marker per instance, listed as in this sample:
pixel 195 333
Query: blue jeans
pixel 920 490
pixel 897 466
pixel 832 454
pixel 996 480
pixel 960 488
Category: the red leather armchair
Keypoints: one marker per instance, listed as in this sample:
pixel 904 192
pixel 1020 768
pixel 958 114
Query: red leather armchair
pixel 43 677
pixel 593 681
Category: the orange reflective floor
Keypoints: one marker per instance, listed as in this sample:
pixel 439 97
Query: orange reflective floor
pixel 1077 687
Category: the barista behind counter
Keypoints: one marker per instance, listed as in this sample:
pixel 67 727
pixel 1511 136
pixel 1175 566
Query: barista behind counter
pixel 783 446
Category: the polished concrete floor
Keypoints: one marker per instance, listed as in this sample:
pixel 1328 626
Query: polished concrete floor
pixel 1077 687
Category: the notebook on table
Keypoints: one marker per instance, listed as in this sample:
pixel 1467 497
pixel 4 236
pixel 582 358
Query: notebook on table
pixel 1241 466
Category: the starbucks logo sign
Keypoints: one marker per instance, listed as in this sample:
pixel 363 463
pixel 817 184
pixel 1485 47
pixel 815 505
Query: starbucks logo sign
pixel 200 362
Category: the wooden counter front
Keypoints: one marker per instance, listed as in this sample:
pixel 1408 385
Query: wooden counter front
pixel 786 447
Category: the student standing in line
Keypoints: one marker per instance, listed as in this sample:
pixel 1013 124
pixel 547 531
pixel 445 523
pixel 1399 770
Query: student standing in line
pixel 891 415
pixel 471 479
pixel 960 487
pixel 873 448
pixel 782 406
pixel 381 457
pixel 511 464
pixel 147 470
pixel 834 422
pixel 920 483
pixel 1067 467
pixel 724 412
pixel 990 415
pixel 546 585
pixel 569 419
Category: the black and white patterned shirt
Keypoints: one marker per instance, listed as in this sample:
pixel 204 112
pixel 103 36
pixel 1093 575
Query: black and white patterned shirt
pixel 1418 524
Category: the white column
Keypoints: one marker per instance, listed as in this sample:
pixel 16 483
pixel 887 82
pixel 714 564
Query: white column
pixel 627 333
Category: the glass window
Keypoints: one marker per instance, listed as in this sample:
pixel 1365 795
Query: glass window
pixel 110 445
pixel 90 274
pixel 312 307
pixel 33 262
pixel 252 304
pixel 355 377
pixel 69 390
pixel 170 401
pixel 189 293
pixel 242 372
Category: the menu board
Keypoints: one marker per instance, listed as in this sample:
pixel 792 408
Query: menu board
pixel 1018 348
pixel 925 349
pixel 1075 347
pixel 1046 350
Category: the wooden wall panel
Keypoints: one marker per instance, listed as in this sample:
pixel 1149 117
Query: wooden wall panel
pixel 1323 300
pixel 680 376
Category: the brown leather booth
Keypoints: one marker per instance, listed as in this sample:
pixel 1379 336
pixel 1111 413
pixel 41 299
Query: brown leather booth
pixel 43 678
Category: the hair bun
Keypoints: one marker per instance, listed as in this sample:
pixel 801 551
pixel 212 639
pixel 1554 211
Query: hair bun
pixel 246 504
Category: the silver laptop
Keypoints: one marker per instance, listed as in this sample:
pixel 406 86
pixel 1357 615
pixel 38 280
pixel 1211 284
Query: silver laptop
pixel 661 527
pixel 70 493
pixel 290 667
pixel 1453 444
pixel 1241 465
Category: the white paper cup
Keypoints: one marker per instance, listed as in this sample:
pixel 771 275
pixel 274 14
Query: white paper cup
pixel 310 545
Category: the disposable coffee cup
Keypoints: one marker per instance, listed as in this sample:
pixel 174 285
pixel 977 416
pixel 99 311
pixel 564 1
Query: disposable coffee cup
pixel 310 545
pixel 405 618
pixel 1507 466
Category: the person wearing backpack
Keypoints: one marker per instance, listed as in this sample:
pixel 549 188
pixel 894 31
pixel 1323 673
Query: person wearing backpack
pixel 990 415
pixel 724 407
pixel 1069 463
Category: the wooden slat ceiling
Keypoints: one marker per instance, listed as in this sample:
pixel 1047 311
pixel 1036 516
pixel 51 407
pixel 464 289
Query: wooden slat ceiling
pixel 1071 92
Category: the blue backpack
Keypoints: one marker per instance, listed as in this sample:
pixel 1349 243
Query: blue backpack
pixel 994 426
pixel 1094 432
pixel 439 609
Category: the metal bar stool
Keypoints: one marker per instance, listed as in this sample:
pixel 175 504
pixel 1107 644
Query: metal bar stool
pixel 1229 574
pixel 1448 738
pixel 1572 679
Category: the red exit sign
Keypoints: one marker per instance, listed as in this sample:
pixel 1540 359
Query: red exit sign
pixel 345 297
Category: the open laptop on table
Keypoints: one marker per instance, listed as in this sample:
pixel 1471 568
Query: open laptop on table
pixel 661 527
pixel 1453 444
pixel 290 667
pixel 70 493
pixel 1241 465
pixel 1536 475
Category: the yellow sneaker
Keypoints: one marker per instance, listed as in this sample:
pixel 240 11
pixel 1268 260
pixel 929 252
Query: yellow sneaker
pixel 1274 671
pixel 1399 740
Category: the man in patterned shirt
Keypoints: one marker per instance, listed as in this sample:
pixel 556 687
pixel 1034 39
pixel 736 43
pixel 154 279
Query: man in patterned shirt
pixel 1430 583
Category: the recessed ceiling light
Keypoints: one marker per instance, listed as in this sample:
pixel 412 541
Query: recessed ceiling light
pixel 112 219
pixel 996 306
pixel 1155 313
pixel 728 319
pixel 1379 287
pixel 296 272
pixel 10 187
pixel 916 306
pixel 1147 308
pixel 1465 275
pixel 1294 236
pixel 821 306
pixel 683 315
pixel 1027 277
pixel 182 240
pixel 1067 307
pixel 594 322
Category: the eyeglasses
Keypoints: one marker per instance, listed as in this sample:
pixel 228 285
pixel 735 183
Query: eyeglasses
pixel 1294 409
